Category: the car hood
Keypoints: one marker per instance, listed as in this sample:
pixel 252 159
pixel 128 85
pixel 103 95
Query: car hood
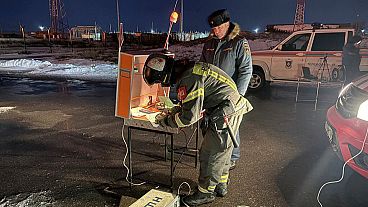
pixel 362 82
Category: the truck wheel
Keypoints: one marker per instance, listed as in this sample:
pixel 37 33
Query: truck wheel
pixel 257 81
pixel 338 74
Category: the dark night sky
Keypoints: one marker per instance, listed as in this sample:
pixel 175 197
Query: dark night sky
pixel 141 13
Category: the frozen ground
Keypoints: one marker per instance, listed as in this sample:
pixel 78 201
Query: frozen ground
pixel 84 69
pixel 28 200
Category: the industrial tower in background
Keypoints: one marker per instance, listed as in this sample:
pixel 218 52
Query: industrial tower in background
pixel 58 17
pixel 299 15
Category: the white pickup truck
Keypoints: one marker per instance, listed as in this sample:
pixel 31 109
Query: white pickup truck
pixel 319 50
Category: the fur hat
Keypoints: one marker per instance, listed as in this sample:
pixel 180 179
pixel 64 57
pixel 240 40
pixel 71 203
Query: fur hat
pixel 218 17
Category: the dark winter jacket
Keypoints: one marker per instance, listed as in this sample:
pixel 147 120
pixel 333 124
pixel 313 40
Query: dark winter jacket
pixel 351 60
pixel 232 54
pixel 206 86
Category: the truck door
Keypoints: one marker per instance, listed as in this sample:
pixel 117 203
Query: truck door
pixel 325 54
pixel 289 57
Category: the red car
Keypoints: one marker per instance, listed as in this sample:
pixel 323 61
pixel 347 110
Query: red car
pixel 347 123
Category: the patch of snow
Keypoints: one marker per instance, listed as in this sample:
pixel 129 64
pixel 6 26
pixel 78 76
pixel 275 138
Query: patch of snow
pixel 28 200
pixel 6 109
pixel 82 69
pixel 262 44
pixel 24 63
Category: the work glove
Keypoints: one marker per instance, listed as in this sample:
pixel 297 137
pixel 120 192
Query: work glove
pixel 174 110
pixel 161 119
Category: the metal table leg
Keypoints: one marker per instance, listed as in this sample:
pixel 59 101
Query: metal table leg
pixel 172 162
pixel 317 93
pixel 166 149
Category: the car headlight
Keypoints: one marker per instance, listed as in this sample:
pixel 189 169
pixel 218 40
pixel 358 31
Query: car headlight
pixel 344 89
pixel 363 111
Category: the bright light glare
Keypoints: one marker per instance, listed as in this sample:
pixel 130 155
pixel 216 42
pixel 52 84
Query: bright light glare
pixel 256 30
pixel 41 28
pixel 363 111
pixel 174 17
pixel 344 89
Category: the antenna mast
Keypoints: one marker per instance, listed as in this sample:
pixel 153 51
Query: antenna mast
pixel 299 15
pixel 57 16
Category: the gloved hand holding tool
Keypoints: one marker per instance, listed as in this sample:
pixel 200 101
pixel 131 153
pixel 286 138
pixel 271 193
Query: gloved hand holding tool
pixel 161 119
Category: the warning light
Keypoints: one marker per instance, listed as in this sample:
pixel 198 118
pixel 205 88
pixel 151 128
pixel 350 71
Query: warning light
pixel 174 17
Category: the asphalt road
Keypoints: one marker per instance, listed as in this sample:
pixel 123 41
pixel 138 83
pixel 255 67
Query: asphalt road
pixel 61 146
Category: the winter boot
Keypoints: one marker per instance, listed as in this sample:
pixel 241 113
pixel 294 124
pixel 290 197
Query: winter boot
pixel 221 189
pixel 198 198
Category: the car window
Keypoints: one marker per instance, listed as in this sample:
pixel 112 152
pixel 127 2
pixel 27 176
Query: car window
pixel 328 41
pixel 297 43
pixel 350 35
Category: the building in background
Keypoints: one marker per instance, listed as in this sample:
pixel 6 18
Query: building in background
pixel 86 32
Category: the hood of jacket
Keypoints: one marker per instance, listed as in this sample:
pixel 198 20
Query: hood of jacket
pixel 234 30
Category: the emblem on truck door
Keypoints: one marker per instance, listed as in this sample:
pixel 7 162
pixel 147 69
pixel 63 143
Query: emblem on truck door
pixel 288 63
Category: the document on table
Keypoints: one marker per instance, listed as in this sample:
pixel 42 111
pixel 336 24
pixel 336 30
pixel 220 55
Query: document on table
pixel 150 115
pixel 152 118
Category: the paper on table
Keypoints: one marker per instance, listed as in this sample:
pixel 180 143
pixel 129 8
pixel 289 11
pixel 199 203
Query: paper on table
pixel 152 118
pixel 150 115
pixel 136 112
pixel 166 100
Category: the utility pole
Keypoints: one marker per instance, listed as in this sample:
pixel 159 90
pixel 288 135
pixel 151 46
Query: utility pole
pixel 181 16
pixel 71 39
pixel 50 45
pixel 24 38
pixel 118 14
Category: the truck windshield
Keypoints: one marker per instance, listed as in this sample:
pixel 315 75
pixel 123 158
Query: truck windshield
pixel 297 43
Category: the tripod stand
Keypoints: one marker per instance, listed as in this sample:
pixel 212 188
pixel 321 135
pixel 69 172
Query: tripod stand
pixel 317 80
pixel 321 70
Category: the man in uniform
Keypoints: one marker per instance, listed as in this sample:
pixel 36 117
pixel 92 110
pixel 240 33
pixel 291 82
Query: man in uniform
pixel 230 52
pixel 351 58
pixel 202 86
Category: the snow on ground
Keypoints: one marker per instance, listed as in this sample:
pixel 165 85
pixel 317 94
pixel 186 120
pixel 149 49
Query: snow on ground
pixel 28 200
pixel 82 69
pixel 262 44
pixel 6 109
pixel 74 69
pixel 25 63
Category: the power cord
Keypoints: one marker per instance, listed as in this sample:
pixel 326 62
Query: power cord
pixel 126 154
pixel 188 192
pixel 343 169
pixel 186 146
